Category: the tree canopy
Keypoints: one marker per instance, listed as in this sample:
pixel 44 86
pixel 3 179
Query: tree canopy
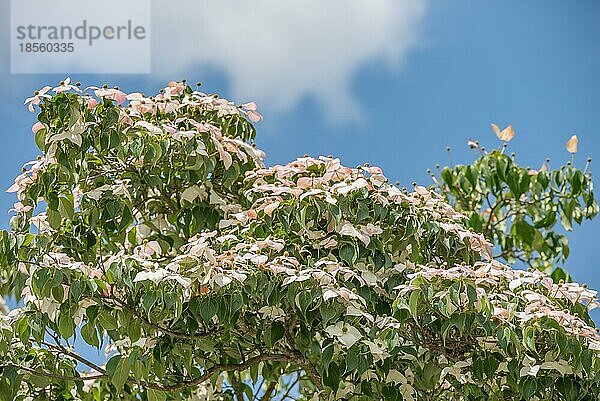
pixel 150 226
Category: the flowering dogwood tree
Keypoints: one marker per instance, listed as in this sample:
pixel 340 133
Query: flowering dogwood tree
pixel 149 226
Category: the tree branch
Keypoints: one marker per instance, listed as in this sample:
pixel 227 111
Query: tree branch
pixel 235 384
pixel 229 368
pixel 59 348
pixel 155 326
pixel 291 386
pixel 267 395
pixel 53 375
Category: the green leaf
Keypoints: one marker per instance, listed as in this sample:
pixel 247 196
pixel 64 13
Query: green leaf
pixel 548 220
pixel 456 320
pixel 348 254
pixel 524 183
pixel 326 356
pixel 332 378
pixel 513 181
pixel 65 207
pixel 148 301
pixel 327 313
pixel 567 388
pixel 156 395
pixel 576 182
pixel 237 301
pixel 134 329
pixel 478 368
pixel 352 359
pixel 447 176
pixel 529 337
pixel 503 335
pixel 413 303
pixel 107 321
pixel 40 278
pixel 490 365
pixel 566 217
pixel 303 301
pixel 528 387
pixel 89 334
pixel 429 376
pixel 525 231
pixel 208 309
pixel 274 332
pixel 40 139
pixel 54 218
pixel 121 374
pixel 559 274
pixel 23 330
pixel 476 222
pixel 66 325
pixel 92 312
pixel 471 294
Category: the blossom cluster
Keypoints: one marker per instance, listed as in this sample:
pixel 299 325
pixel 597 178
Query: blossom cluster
pixel 536 291
pixel 327 179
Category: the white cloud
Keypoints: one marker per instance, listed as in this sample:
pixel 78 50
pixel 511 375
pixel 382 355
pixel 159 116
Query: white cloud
pixel 277 52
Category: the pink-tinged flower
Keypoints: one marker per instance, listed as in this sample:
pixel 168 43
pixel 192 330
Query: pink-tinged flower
pixel 501 313
pixel 136 96
pixel 36 127
pixel 371 229
pixel 249 110
pixel 252 214
pixel 328 243
pixel 523 279
pixel 111 94
pixel 41 223
pixel 351 231
pixel 166 106
pixel 124 118
pixel 346 294
pixel 423 192
pixel 91 103
pixel 138 104
pixel 27 295
pixel 224 156
pixel 249 106
pixel 277 245
pixel 343 188
pixel 174 88
pixel 37 98
pixel 66 86
pixel 89 271
pixel 19 207
pixel 306 182
pixel 374 170
pixel 254 116
pixel 151 248
pixel 378 179
pixel 271 207
pixel 20 184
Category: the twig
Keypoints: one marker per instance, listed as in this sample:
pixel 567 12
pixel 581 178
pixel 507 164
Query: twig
pixel 53 375
pixel 267 395
pixel 228 368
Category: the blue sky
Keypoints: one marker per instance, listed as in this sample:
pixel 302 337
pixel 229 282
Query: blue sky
pixel 389 82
